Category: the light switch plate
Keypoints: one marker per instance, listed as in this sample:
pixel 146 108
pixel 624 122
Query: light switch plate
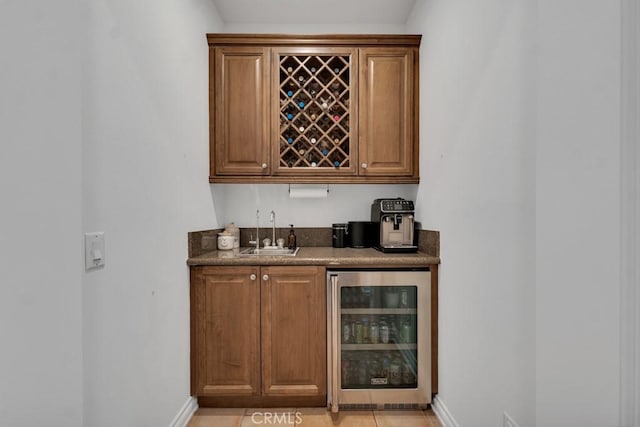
pixel 93 250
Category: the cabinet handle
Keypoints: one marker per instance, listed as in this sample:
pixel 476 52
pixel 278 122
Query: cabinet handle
pixel 265 277
pixel 252 277
pixel 364 166
pixel 264 166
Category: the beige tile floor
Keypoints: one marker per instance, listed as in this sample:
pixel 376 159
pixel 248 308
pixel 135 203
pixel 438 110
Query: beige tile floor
pixel 310 417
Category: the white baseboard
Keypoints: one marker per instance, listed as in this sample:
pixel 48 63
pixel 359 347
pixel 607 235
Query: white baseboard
pixel 443 414
pixel 185 413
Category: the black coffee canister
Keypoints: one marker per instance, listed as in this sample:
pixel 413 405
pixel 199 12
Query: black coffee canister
pixel 340 235
pixel 361 234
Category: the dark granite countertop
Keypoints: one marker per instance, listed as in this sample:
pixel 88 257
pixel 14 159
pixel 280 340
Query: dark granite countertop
pixel 320 255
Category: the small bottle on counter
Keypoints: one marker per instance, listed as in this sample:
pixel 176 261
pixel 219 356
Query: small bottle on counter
pixel 291 241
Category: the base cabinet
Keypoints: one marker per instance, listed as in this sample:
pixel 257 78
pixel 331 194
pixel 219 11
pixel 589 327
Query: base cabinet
pixel 225 331
pixel 258 335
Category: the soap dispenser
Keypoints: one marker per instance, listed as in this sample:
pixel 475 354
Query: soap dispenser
pixel 291 242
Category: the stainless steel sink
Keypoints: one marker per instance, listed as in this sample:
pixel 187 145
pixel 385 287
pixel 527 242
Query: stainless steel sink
pixel 268 251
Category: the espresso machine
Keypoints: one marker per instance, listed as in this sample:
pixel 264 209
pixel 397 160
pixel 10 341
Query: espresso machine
pixel 394 225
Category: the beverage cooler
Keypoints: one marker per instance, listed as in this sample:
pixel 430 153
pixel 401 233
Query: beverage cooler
pixel 379 339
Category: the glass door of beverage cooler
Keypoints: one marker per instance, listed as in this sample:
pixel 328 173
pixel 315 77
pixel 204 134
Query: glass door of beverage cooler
pixel 380 339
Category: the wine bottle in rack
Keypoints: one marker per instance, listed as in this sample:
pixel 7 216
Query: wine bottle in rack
pixel 313 160
pixel 314 87
pixel 290 159
pixel 301 124
pixel 324 147
pixel 289 70
pixel 313 115
pixel 289 112
pixel 313 134
pixel 335 136
pixel 335 88
pixel 289 135
pixel 301 100
pixel 330 111
pixel 312 69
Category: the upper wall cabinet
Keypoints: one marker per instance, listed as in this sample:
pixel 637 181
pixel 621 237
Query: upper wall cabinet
pixel 325 109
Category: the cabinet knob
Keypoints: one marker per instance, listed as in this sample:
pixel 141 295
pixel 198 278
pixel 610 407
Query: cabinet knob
pixel 364 166
pixel 265 277
pixel 252 277
pixel 264 166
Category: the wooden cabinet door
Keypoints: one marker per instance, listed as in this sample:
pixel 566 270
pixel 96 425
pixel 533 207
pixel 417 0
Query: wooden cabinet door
pixel 225 328
pixel 386 134
pixel 239 105
pixel 294 331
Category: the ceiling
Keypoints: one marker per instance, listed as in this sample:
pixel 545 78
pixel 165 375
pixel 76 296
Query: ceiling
pixel 393 12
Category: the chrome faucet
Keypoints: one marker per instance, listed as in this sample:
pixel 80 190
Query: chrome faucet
pixel 272 218
pixel 257 241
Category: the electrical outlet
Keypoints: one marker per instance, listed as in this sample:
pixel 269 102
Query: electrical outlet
pixel 507 421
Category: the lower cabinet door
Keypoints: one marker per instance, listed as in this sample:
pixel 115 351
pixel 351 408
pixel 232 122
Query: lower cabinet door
pixel 293 331
pixel 225 331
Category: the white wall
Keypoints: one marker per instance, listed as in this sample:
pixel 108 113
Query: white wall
pixel 477 163
pixel 129 157
pixel 578 213
pixel 40 236
pixel 344 202
pixel 238 202
pixel 145 185
pixel 289 27
pixel 520 115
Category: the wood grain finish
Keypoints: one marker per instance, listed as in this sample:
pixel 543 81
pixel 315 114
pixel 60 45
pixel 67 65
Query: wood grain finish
pixel 262 342
pixel 261 401
pixel 294 331
pixel 238 39
pixel 386 112
pixel 314 179
pixel 258 335
pixel 225 331
pixel 383 113
pixel 280 168
pixel 240 120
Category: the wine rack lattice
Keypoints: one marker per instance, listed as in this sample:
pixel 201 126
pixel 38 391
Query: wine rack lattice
pixel 314 111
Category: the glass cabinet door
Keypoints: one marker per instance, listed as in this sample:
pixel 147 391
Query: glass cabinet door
pixel 378 342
